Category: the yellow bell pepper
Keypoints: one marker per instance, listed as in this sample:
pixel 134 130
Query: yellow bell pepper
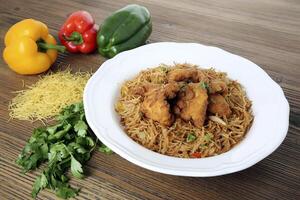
pixel 30 49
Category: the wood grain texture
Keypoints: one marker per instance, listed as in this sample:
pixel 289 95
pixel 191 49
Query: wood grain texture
pixel 264 31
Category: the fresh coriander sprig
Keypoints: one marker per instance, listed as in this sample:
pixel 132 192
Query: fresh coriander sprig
pixel 65 145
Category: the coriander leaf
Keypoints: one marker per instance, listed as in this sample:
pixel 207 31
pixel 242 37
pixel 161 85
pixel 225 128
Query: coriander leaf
pixel 77 147
pixel 40 183
pixel 65 114
pixel 87 141
pixel 81 150
pixel 105 149
pixel 52 129
pixel 34 152
pixel 44 151
pixel 58 152
pixel 78 107
pixel 190 137
pixel 64 178
pixel 76 168
pixel 81 128
pixel 90 141
pixel 70 112
pixel 38 135
pixel 82 116
pixel 60 134
pixel 66 192
pixel 203 85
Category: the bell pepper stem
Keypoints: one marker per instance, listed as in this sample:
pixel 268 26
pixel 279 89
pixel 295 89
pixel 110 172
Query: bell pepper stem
pixel 46 46
pixel 75 38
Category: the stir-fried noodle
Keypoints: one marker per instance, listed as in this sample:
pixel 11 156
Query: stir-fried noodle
pixel 182 139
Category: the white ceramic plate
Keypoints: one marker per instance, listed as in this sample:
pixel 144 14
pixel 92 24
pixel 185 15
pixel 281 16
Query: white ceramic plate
pixel 270 108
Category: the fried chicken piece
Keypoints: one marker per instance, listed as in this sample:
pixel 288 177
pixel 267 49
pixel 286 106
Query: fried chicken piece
pixel 155 105
pixel 217 86
pixel 218 105
pixel 192 104
pixel 189 74
pixel 140 90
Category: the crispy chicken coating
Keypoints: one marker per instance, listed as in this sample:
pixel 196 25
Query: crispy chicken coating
pixel 155 105
pixel 217 86
pixel 190 74
pixel 218 105
pixel 192 104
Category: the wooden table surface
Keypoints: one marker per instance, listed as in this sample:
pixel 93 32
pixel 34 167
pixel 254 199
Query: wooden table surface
pixel 264 31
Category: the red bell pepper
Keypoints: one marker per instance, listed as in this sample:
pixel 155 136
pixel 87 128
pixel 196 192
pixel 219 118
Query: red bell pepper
pixel 196 155
pixel 79 33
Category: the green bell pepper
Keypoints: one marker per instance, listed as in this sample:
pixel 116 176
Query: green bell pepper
pixel 125 29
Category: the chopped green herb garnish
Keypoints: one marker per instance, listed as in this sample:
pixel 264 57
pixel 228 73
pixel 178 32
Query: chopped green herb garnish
pixel 208 137
pixel 190 137
pixel 203 85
